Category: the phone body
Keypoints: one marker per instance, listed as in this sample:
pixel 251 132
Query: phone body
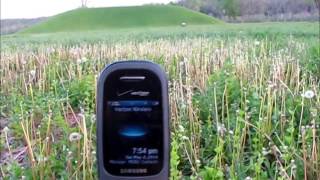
pixel 133 121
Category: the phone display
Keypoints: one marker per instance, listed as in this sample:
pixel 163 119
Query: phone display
pixel 133 139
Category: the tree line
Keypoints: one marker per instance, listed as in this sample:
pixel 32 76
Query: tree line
pixel 267 8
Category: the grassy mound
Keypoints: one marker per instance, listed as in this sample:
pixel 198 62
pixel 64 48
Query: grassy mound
pixel 86 19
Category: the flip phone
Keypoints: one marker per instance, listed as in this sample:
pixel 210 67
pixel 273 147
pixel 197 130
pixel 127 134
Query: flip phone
pixel 133 122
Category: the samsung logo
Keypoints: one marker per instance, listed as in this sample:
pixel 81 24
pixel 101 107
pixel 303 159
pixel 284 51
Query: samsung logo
pixel 133 171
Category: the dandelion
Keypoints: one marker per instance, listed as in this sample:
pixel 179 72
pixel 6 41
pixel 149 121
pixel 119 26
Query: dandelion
pixel 82 60
pixel 257 43
pixel 93 119
pixel 293 165
pixel 47 139
pixel 198 161
pixel 230 132
pixel 183 24
pixel 308 94
pixel 75 136
pixel 248 178
pixel 42 159
pixel 183 106
pixel 282 172
pixel 303 130
pixel 265 152
pixel 181 128
pixel 272 85
pixel 221 129
pixel 184 138
pixel 69 153
pixel 33 73
pixel 6 129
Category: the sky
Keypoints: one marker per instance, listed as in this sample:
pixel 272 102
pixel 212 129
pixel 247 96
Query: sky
pixel 11 9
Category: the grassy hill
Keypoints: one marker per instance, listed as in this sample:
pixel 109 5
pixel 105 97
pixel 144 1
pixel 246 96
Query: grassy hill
pixel 85 19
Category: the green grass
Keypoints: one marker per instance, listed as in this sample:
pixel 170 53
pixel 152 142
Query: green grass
pixel 88 19
pixel 237 110
pixel 280 32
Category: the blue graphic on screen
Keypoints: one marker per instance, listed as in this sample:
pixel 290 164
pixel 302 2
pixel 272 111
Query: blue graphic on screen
pixel 133 130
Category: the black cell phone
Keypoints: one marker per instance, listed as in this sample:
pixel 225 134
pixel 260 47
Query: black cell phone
pixel 133 121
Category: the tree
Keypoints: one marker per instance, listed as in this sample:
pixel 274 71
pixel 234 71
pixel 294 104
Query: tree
pixel 191 4
pixel 317 2
pixel 231 8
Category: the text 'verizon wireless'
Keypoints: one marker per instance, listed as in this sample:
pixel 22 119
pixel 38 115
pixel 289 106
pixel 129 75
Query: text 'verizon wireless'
pixel 133 121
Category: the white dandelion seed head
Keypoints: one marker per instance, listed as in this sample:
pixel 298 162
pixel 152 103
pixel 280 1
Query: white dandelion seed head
pixel 181 128
pixel 183 24
pixel 6 129
pixel 32 73
pixel 185 138
pixel 294 166
pixel 82 60
pixel 248 178
pixel 265 153
pixel 47 138
pixel 221 129
pixel 69 153
pixel 183 105
pixel 93 119
pixel 308 94
pixel 75 136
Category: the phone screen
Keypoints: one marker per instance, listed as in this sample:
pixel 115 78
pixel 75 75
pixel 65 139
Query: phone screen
pixel 133 140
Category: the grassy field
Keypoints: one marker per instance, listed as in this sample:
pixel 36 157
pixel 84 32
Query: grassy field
pixel 88 19
pixel 244 99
